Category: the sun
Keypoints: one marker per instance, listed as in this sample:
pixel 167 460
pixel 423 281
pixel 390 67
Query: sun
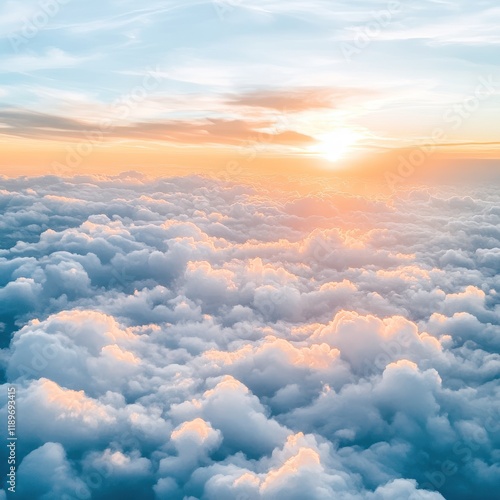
pixel 336 145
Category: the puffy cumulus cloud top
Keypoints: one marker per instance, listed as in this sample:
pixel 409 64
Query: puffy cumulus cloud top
pixel 190 338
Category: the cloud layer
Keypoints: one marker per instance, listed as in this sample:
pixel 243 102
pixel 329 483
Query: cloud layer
pixel 189 338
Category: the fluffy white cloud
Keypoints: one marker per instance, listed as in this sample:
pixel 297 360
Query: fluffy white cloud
pixel 189 338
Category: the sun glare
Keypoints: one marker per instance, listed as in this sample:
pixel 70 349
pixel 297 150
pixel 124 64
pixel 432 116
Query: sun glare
pixel 336 145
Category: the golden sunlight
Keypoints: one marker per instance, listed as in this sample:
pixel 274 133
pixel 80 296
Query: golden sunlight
pixel 336 145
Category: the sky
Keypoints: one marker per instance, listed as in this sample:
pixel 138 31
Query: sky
pixel 249 250
pixel 193 85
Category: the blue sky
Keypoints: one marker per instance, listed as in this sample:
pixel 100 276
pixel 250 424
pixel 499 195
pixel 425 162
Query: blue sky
pixel 387 71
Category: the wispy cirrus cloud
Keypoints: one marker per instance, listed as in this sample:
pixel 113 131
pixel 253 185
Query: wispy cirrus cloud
pixel 299 99
pixel 52 58
pixel 23 123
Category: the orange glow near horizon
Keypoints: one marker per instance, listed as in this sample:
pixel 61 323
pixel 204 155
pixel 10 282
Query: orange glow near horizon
pixel 337 151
